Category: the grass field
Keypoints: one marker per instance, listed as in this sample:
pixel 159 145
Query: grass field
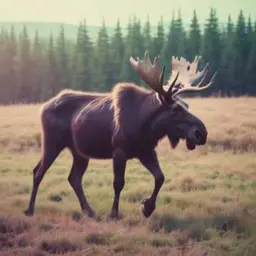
pixel 207 205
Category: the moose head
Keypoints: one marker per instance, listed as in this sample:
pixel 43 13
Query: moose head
pixel 179 122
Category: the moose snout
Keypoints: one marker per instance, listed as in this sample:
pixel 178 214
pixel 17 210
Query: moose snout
pixel 198 136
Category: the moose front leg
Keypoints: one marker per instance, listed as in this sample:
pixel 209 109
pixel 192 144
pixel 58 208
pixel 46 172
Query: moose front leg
pixel 150 162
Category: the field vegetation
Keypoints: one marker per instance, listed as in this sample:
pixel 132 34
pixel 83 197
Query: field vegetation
pixel 207 205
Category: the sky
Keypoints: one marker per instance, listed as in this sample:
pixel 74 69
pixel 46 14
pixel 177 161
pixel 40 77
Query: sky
pixel 73 11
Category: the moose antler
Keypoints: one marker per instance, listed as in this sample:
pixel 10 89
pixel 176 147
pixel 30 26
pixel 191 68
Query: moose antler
pixel 188 75
pixel 184 75
pixel 151 74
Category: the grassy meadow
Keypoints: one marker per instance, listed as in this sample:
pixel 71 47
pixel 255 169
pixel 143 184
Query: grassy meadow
pixel 207 205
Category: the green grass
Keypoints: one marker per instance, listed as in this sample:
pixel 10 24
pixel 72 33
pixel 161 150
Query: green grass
pixel 193 204
pixel 207 205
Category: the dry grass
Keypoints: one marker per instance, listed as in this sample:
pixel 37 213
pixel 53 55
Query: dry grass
pixel 207 205
pixel 231 123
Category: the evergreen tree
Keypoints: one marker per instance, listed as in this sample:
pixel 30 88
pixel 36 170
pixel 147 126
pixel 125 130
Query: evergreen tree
pixel 194 38
pixel 176 41
pixel 170 47
pixel 147 36
pixel 127 71
pixel 117 53
pixel 4 38
pixel 30 73
pixel 159 39
pixel 25 87
pixel 13 43
pixel 2 45
pixel 52 85
pixel 230 29
pixel 137 50
pixel 84 60
pixel 11 82
pixel 250 72
pixel 250 34
pixel 76 53
pixel 8 52
pixel 249 27
pixel 102 61
pixel 137 47
pixel 226 69
pixel 62 60
pixel 38 69
pixel 181 39
pixel 241 54
pixel 212 47
pixel 134 46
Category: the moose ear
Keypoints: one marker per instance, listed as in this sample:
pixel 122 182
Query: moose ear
pixel 174 141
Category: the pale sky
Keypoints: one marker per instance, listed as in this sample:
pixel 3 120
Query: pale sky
pixel 72 11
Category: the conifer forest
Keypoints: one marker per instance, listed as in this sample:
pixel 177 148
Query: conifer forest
pixel 35 69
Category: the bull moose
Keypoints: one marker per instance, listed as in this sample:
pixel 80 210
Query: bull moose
pixel 123 124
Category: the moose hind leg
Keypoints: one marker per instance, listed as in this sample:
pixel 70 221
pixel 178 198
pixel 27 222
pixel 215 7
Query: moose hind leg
pixel 75 177
pixel 49 155
pixel 119 165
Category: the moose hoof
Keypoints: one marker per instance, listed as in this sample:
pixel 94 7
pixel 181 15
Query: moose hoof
pixel 113 216
pixel 91 214
pixel 148 207
pixel 28 213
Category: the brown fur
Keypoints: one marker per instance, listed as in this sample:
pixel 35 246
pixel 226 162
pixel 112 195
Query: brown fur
pixel 123 124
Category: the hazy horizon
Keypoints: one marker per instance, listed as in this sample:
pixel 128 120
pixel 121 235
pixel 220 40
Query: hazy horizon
pixel 71 12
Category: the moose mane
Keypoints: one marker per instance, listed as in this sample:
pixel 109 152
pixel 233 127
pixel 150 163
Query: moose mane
pixel 132 105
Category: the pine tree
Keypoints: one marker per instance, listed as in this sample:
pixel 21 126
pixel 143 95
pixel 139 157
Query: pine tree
pixel 180 37
pixel 170 47
pixel 250 34
pixel 194 38
pixel 24 75
pixel 176 42
pixel 8 74
pixel 127 71
pixel 250 72
pixel 38 69
pixel 62 60
pixel 75 61
pixel 117 53
pixel 11 64
pixel 4 38
pixel 84 60
pixel 227 64
pixel 13 43
pixel 137 46
pixel 159 39
pixel 102 61
pixel 147 36
pixel 25 64
pixel 230 29
pixel 241 54
pixel 52 85
pixel 212 47
pixel 134 46
pixel 2 45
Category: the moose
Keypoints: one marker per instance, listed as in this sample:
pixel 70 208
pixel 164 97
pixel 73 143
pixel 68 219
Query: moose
pixel 123 124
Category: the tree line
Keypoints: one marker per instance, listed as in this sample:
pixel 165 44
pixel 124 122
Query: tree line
pixel 35 69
